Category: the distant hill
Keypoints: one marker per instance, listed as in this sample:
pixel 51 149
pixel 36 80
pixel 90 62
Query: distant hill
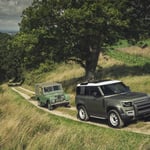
pixel 10 32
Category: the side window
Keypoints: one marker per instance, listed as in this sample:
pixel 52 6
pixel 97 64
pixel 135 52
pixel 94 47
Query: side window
pixel 107 90
pixel 56 88
pixel 48 89
pixel 94 91
pixel 80 90
pixel 87 90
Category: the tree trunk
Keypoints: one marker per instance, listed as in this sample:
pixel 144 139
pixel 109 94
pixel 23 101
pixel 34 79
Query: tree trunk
pixel 91 63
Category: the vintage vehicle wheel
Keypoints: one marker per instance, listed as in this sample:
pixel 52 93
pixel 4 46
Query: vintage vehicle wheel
pixel 67 105
pixel 39 103
pixel 82 113
pixel 49 106
pixel 115 119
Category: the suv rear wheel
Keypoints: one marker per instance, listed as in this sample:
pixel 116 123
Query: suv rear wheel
pixel 82 113
pixel 115 119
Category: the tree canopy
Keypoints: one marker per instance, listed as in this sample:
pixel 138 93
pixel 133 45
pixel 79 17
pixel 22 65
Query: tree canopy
pixel 78 30
pixel 4 38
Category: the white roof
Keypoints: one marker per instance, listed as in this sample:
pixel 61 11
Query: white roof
pixel 100 83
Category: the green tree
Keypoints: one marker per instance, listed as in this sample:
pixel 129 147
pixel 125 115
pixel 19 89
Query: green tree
pixel 4 38
pixel 137 13
pixel 36 21
pixel 13 60
pixel 79 30
pixel 90 26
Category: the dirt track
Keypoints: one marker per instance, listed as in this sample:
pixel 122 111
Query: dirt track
pixel 135 127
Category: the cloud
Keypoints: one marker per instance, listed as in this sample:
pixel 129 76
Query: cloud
pixel 10 13
pixel 9 24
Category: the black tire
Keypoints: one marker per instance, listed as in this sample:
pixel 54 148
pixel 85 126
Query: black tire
pixel 49 106
pixel 82 113
pixel 114 119
pixel 67 105
pixel 39 103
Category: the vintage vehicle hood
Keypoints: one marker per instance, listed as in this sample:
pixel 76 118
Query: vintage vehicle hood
pixel 53 94
pixel 130 96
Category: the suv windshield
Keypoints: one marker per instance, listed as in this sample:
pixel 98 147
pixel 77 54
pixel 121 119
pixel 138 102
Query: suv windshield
pixel 115 88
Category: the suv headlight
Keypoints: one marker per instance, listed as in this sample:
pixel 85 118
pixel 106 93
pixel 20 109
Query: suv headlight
pixel 127 104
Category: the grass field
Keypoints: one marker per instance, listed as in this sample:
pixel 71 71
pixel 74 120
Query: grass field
pixel 23 126
pixel 145 52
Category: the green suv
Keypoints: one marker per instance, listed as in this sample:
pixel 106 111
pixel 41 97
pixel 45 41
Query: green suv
pixel 111 100
pixel 51 95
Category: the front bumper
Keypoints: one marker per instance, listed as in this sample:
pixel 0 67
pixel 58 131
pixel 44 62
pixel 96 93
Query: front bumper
pixel 62 103
pixel 134 114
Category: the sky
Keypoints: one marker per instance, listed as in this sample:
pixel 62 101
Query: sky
pixel 10 13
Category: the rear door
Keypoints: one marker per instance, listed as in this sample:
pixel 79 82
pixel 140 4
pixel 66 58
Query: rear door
pixel 95 102
pixel 82 96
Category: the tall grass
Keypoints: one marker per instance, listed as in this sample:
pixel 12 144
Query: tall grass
pixel 138 83
pixel 23 126
pixel 63 73
pixel 134 50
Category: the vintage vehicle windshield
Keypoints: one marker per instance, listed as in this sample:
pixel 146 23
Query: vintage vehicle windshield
pixel 116 88
pixel 52 88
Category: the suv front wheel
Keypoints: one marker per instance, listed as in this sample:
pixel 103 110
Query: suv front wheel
pixel 82 113
pixel 115 119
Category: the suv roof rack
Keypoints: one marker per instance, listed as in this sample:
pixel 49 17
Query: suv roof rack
pixel 96 81
pixel 84 83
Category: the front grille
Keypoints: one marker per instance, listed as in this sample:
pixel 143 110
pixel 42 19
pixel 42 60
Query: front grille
pixel 59 98
pixel 142 107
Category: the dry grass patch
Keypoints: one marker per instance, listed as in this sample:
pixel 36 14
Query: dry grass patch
pixel 145 52
pixel 65 72
pixel 138 83
pixel 106 61
pixel 69 111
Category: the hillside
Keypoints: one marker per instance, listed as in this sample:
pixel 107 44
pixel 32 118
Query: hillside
pixel 130 69
pixel 26 127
